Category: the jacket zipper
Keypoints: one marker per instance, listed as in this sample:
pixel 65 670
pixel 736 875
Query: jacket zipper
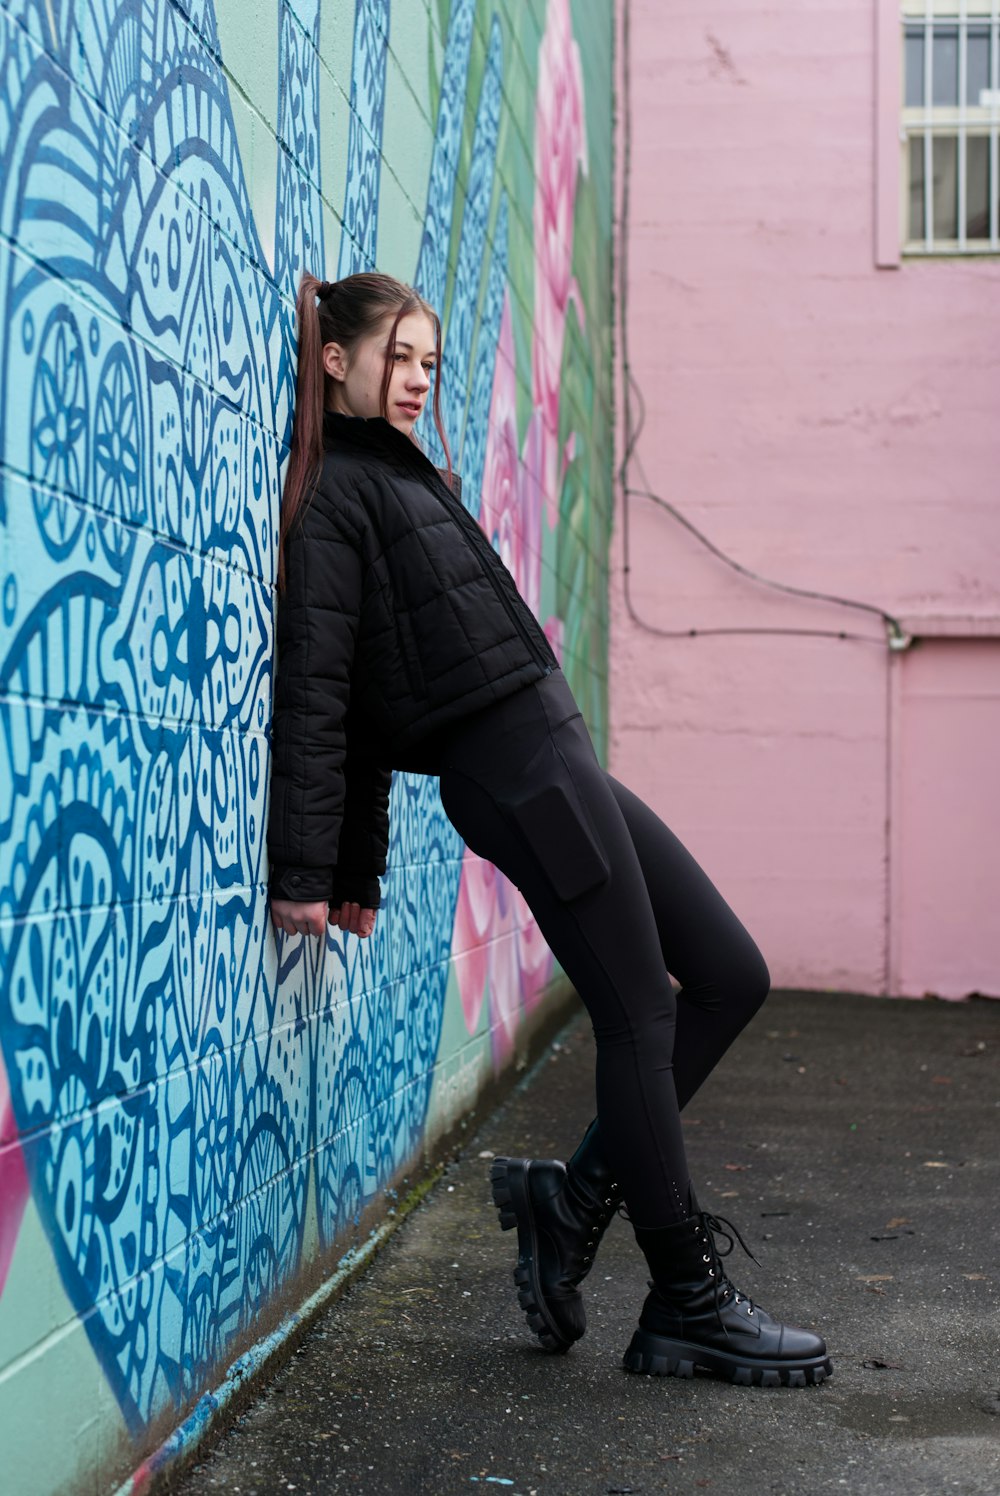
pixel 479 539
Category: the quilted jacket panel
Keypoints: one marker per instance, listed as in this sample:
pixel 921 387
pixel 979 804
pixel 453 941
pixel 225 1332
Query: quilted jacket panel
pixel 398 620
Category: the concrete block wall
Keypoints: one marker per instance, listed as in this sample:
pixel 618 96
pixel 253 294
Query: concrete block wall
pixel 821 406
pixel 196 1121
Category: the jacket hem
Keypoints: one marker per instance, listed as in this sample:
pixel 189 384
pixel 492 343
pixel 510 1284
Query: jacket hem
pixel 416 749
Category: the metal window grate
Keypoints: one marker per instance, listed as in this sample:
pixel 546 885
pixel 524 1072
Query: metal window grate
pixel 950 126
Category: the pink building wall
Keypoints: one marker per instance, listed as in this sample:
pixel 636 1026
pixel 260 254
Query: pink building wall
pixel 828 418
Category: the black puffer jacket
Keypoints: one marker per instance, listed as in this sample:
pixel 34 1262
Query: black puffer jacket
pixel 398 620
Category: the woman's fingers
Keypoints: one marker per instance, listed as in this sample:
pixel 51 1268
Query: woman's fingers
pixel 354 919
pixel 312 919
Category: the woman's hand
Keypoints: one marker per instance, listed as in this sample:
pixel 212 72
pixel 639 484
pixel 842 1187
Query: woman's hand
pixel 297 918
pixel 354 918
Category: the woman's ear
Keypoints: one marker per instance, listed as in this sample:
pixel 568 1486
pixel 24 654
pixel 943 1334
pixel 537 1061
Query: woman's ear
pixel 334 360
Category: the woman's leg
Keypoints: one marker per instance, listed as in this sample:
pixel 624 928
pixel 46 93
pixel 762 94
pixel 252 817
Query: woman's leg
pixel 570 837
pixel 536 822
pixel 723 976
pixel 723 981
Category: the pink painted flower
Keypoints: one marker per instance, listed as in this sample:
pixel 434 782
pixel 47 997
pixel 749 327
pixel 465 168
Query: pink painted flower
pixel 13 1180
pixel 508 523
pixel 501 952
pixel 535 959
pixel 472 933
pixel 560 148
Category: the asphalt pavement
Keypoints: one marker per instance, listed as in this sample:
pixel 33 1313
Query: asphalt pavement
pixel 854 1142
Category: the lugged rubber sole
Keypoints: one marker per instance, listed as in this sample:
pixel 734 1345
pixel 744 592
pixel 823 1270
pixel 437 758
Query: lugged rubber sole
pixel 509 1183
pixel 657 1356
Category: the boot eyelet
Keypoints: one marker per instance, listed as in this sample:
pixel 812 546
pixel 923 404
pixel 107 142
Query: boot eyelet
pixel 705 1257
pixel 586 1259
pixel 711 1272
pixel 749 1311
pixel 607 1202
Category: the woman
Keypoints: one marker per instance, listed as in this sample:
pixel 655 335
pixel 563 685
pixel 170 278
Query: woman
pixel 404 643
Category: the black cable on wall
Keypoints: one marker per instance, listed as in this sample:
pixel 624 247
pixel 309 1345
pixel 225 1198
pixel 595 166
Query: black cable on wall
pixel 898 639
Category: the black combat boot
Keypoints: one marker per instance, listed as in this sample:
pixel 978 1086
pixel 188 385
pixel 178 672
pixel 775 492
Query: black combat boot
pixel 694 1316
pixel 561 1211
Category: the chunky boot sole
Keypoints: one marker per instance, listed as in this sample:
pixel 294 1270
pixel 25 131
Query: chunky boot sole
pixel 657 1356
pixel 509 1182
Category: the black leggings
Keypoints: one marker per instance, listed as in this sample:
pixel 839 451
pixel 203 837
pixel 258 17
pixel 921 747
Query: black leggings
pixel 620 903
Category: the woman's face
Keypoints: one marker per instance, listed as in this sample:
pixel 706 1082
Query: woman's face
pixel 357 379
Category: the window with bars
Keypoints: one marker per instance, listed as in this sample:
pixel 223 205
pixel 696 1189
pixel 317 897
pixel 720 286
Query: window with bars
pixel 951 120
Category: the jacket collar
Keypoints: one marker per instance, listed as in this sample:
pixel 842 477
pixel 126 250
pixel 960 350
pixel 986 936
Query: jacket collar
pixel 376 434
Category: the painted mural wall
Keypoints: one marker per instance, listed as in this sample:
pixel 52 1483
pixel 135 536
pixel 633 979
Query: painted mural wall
pixel 195 1112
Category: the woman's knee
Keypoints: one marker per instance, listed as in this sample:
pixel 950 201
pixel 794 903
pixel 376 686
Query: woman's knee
pixel 742 983
pixel 649 1033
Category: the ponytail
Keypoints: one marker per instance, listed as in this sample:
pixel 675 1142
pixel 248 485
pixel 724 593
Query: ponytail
pixel 306 454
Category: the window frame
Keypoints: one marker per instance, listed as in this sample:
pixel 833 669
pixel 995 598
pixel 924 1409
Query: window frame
pixel 959 122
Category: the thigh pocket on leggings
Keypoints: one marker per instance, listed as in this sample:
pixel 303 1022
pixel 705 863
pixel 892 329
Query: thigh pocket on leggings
pixel 554 823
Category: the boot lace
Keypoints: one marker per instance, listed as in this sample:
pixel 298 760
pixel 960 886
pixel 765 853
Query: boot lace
pixel 713 1226
pixel 599 1210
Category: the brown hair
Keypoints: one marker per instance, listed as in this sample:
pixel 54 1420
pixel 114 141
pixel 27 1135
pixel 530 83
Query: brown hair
pixel 347 310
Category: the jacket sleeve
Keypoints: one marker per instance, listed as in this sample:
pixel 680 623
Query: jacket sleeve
pixel 316 632
pixel 364 834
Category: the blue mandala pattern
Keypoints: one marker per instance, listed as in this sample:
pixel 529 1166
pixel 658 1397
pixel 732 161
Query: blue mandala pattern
pixel 364 159
pixel 179 1093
